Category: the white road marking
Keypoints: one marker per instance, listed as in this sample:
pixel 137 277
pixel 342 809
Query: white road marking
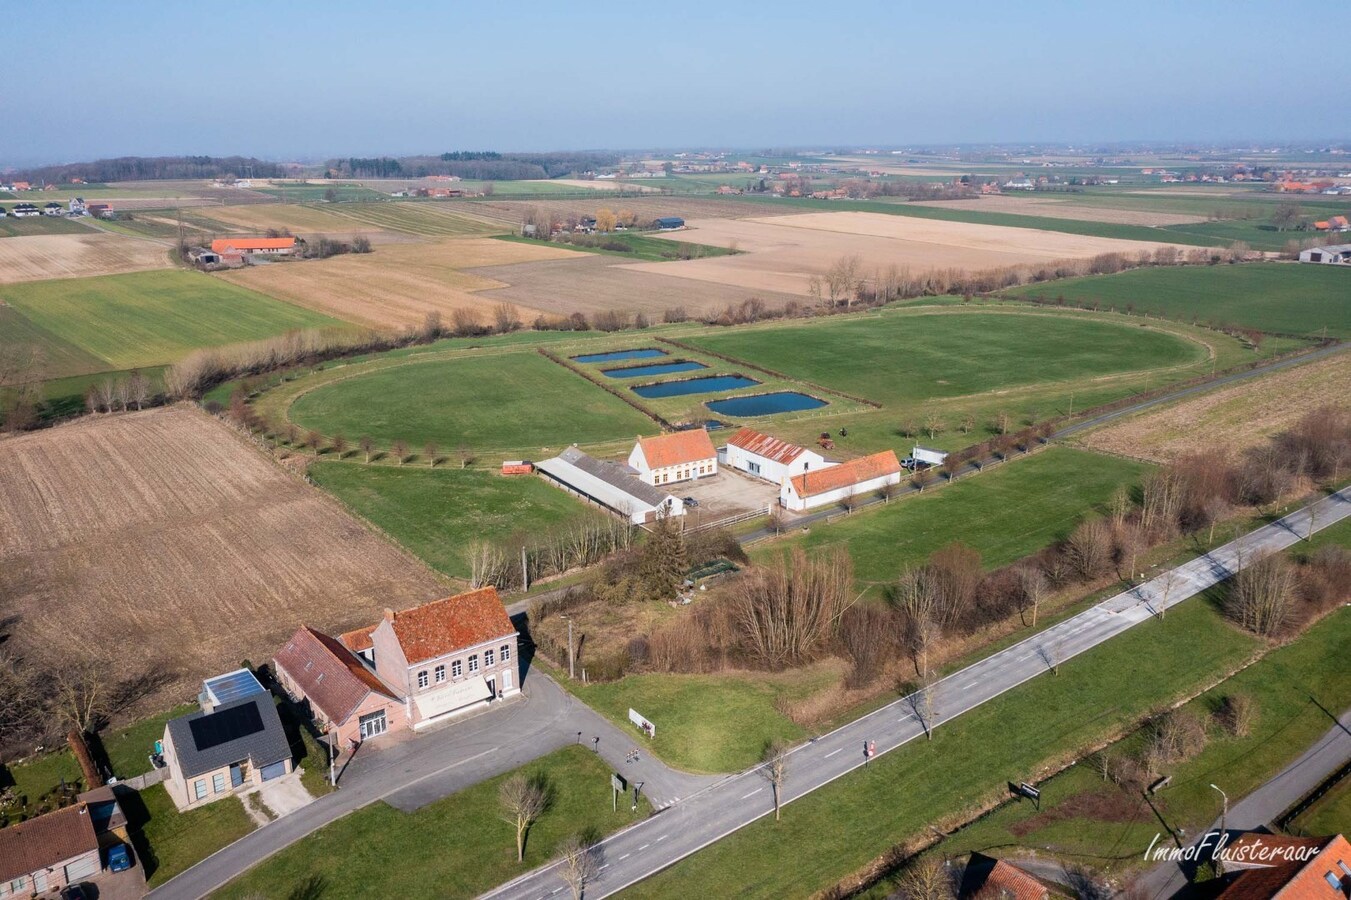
pixel 644 847
pixel 752 793
pixel 662 838
pixel 903 718
pixel 971 685
pixel 603 868
pixel 625 856
pixel 832 753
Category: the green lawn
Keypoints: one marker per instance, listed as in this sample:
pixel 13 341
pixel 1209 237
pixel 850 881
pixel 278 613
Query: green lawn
pixel 12 227
pixel 1278 297
pixel 55 355
pixel 639 246
pixel 429 218
pixel 911 356
pixel 841 827
pixel 511 401
pixel 456 847
pixel 708 723
pixel 168 841
pixel 146 318
pixel 1087 819
pixel 437 513
pixel 1005 513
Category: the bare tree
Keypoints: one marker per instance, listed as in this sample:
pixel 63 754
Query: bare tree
pixel 466 455
pixel 788 610
pixel 340 445
pixel 1090 547
pixel 776 770
pixel 81 690
pixel 1260 597
pixel 523 801
pixel 968 422
pixel 1032 585
pixel 314 440
pixel 400 450
pixel 932 424
pixel 431 326
pixel 925 703
pixel 485 563
pixel 578 863
pixel 106 394
pixel 21 702
pixel 926 879
pixel 1003 421
pixel 921 478
pixel 367 446
pixel 138 388
pixel 429 451
pixel 1169 582
pixel 505 319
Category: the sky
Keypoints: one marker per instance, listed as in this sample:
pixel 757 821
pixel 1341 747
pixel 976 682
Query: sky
pixel 307 80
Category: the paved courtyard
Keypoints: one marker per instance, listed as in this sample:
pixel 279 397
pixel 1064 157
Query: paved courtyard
pixel 728 493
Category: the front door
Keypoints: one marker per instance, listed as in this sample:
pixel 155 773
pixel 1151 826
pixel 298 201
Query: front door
pixel 373 724
pixel 506 680
pixel 236 775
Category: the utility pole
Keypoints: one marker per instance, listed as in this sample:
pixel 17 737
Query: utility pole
pixel 525 572
pixel 572 671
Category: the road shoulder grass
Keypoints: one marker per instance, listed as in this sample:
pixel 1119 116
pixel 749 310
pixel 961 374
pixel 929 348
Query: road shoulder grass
pixel 458 846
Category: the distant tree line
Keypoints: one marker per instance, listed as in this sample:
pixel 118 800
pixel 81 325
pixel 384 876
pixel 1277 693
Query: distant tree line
pixel 475 165
pixel 145 168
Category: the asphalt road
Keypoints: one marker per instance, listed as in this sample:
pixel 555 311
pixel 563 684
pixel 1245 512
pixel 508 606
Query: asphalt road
pixel 414 773
pixel 644 849
pixel 1328 754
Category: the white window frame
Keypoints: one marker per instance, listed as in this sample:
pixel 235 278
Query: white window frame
pixel 488 658
pixel 422 679
pixel 440 673
pixel 199 789
pixel 473 663
pixel 370 719
pixel 218 783
pixel 505 655
pixel 456 668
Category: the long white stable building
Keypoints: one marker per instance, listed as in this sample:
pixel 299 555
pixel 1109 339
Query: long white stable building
pixel 770 458
pixel 610 485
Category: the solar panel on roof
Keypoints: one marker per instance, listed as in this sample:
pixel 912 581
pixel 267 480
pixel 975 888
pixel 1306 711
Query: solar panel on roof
pixel 233 686
pixel 225 726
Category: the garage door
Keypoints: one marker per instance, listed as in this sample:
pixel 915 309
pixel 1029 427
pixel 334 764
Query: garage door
pixel 276 770
pixel 83 867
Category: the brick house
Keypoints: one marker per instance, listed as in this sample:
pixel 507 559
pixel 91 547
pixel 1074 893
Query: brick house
pixel 680 456
pixel 344 695
pixel 447 657
pixel 995 879
pixel 48 852
pixel 1266 866
pixel 236 745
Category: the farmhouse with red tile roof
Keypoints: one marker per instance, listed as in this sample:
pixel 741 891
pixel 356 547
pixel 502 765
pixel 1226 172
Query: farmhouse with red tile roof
pixel 985 877
pixel 233 246
pixel 836 483
pixel 449 656
pixel 1291 868
pixel 680 456
pixel 344 694
pixel 770 458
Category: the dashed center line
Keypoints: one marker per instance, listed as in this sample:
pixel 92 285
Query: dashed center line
pixel 971 685
pixel 832 753
pixel 752 793
pixel 644 847
pixel 625 856
pixel 662 838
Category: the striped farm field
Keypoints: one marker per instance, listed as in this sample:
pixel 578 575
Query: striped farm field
pixel 429 219
pixel 146 318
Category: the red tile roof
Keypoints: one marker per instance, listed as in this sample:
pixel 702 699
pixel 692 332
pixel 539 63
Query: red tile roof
pixel 1288 877
pixel 1008 882
pixel 771 448
pixel 221 245
pixel 358 639
pixel 677 448
pixel 856 471
pixel 444 626
pixel 45 841
pixel 332 678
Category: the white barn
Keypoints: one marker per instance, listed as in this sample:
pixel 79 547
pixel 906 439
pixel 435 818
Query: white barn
pixel 1334 254
pixel 770 458
pixel 670 458
pixel 610 485
pixel 833 484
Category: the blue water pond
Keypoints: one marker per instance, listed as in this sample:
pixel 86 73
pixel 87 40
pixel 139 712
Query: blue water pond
pixel 765 404
pixel 680 365
pixel 616 355
pixel 694 386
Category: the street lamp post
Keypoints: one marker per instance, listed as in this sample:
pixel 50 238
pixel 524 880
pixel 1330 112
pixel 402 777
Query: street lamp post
pixel 1224 810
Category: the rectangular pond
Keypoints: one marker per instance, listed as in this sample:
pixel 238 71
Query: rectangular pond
pixel 617 355
pixel 705 385
pixel 679 365
pixel 765 404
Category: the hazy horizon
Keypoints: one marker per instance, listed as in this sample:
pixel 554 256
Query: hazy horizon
pixel 311 81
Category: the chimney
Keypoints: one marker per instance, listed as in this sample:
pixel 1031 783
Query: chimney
pixel 389 614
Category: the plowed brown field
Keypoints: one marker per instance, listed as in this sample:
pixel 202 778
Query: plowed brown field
pixel 41 256
pixel 160 541
pixel 398 284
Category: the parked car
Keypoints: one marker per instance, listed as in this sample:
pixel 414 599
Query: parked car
pixel 75 892
pixel 690 502
pixel 119 860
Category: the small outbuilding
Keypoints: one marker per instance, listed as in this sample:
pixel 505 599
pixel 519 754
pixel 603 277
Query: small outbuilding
pixel 1335 254
pixel 668 223
pixel 770 458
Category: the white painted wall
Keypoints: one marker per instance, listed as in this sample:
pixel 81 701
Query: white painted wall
pixel 790 499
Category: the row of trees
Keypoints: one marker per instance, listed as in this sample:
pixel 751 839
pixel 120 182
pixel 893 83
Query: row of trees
pixel 146 168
